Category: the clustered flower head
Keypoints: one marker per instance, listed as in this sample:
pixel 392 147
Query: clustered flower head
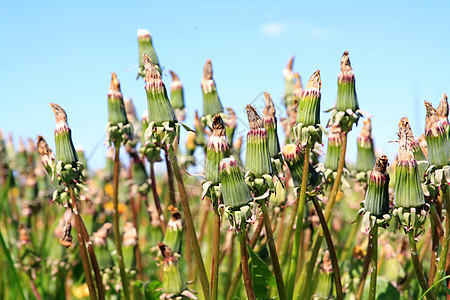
pixel 237 198
pixel 308 129
pixel 366 153
pixel 163 127
pixel 146 47
pixel 375 207
pixel 258 163
pixel 119 130
pixel 174 285
pixel 211 101
pixel 346 111
pixel 410 208
pixel 177 97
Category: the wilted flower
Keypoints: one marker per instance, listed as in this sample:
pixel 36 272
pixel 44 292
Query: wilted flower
pixel 217 150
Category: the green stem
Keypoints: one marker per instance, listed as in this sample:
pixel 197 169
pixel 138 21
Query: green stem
pixel 238 272
pixel 273 253
pixel 302 286
pixel 117 236
pixel 82 247
pixel 244 263
pixel 156 196
pixel 362 279
pixel 299 225
pixel 374 261
pixel 170 182
pixel 418 267
pixel 216 252
pixel 331 250
pixel 190 224
pixel 445 244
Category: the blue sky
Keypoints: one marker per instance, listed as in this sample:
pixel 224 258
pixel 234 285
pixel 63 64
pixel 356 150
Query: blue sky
pixel 64 52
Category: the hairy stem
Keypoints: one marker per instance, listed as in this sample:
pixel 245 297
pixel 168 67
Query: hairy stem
pixel 418 267
pixel 117 236
pixel 244 263
pixel 156 196
pixel 374 261
pixel 190 225
pixel 216 251
pixel 300 210
pixel 82 247
pixel 333 256
pixel 302 287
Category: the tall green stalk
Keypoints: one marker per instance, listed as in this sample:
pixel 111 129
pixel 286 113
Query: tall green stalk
pixel 302 286
pixel 190 224
pixel 418 267
pixel 299 225
pixel 374 260
pixel 273 254
pixel 117 236
pixel 445 245
pixel 244 264
pixel 216 252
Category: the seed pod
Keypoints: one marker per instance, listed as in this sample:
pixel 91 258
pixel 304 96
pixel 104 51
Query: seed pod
pixel 235 192
pixel 211 101
pixel 377 196
pixel 146 47
pixel 159 107
pixel 177 97
pixel 334 148
pixel 346 98
pixel 174 231
pixel 270 124
pixel 295 158
pixel 408 191
pixel 436 137
pixel 257 157
pixel 366 154
pixel 217 150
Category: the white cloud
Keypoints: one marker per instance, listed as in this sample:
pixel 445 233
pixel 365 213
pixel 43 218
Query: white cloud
pixel 273 28
pixel 320 32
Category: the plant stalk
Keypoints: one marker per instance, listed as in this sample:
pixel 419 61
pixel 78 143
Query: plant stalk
pixel 244 263
pixel 418 267
pixel 362 279
pixel 216 251
pixel 82 247
pixel 117 236
pixel 156 196
pixel 300 209
pixel 440 273
pixel 273 253
pixel 333 256
pixel 302 287
pixel 374 260
pixel 170 181
pixel 237 274
pixel 190 224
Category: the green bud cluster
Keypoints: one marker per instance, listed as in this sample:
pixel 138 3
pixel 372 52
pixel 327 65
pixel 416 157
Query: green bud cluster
pixel 146 47
pixel 211 101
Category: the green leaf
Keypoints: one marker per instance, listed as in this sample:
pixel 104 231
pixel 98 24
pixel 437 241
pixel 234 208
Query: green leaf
pixel 186 127
pixel 151 290
pixel 261 276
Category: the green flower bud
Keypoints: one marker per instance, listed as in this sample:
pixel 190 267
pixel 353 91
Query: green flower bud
pixel 366 154
pixel 377 196
pixel 325 287
pixel 231 124
pixel 408 191
pixel 217 150
pixel 346 98
pixel 47 156
pixel 295 159
pixel 173 280
pixel 174 231
pixel 270 124
pixel 211 101
pixel 308 112
pixel 436 137
pixel 235 192
pixel 177 97
pixel 65 151
pixel 159 107
pixel 134 120
pixel 139 174
pixel 288 75
pixel 334 148
pixel 146 47
pixel 257 158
